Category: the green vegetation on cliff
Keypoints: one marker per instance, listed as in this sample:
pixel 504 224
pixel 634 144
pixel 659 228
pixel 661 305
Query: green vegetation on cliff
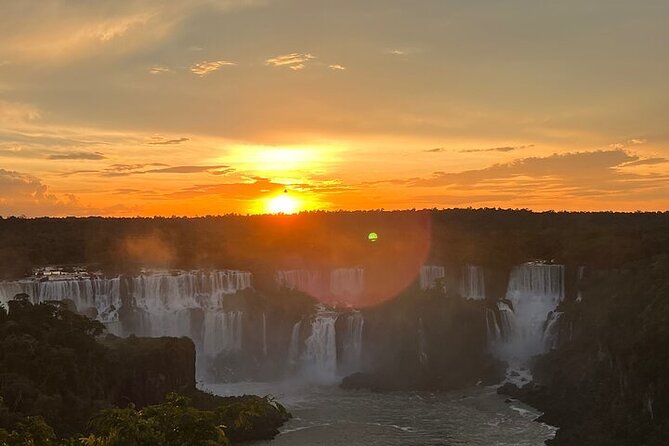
pixel 60 384
pixel 607 383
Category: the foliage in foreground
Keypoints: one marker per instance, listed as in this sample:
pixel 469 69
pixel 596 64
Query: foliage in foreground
pixel 59 386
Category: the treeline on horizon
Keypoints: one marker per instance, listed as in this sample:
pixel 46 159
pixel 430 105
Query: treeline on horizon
pixel 494 238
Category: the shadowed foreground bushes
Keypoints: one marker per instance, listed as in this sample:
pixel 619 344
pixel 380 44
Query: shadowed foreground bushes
pixel 60 385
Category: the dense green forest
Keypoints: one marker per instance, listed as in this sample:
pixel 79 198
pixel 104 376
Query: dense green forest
pixel 62 384
pixel 487 237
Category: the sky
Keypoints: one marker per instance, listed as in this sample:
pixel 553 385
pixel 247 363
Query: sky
pixel 200 107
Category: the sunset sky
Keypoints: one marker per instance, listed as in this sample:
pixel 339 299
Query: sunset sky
pixel 195 107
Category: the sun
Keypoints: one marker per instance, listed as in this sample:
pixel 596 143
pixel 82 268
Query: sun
pixel 283 204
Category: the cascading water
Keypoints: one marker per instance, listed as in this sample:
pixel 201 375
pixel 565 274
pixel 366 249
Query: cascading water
pixel 307 281
pixel 580 276
pixel 352 342
pixel 294 347
pixel 319 359
pixel 164 302
pixel 472 285
pixel 88 293
pixel 430 275
pixel 535 289
pixel 168 300
pixel 222 332
pixel 551 330
pixel 347 283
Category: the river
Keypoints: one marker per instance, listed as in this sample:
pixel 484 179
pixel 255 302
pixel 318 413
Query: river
pixel 327 415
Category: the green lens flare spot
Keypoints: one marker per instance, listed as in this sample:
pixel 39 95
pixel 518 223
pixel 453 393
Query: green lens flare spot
pixel 373 236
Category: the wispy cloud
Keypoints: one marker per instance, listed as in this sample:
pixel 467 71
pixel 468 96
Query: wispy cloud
pixel 214 170
pixel 503 149
pixel 162 141
pixel 647 162
pixel 337 67
pixel 206 67
pixel 628 143
pixel 77 156
pixel 13 150
pixel 294 61
pixel 157 69
pixel 122 170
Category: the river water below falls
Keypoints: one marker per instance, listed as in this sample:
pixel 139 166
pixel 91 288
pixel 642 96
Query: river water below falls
pixel 327 416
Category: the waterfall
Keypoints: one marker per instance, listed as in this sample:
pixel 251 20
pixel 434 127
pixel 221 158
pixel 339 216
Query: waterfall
pixel 352 342
pixel 294 347
pixel 535 289
pixel 430 275
pixel 88 293
pixel 167 302
pixel 492 326
pixel 264 334
pixel 347 282
pixel 307 281
pixel 319 359
pixel 222 332
pixel 580 276
pixel 164 302
pixel 472 285
pixel 552 330
pixel 422 344
pixel 193 289
pixel 9 289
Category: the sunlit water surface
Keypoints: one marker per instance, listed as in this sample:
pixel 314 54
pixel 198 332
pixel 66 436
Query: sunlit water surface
pixel 326 416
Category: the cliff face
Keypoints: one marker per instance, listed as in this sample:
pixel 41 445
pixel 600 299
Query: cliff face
pixel 426 340
pixel 607 383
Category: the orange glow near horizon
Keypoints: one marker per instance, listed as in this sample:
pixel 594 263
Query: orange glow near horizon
pixel 283 204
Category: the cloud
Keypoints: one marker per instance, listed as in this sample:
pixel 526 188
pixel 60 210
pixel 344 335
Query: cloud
pixel 629 142
pixel 242 190
pixel 123 170
pixel 32 152
pixel 132 167
pixel 337 67
pixel 161 141
pixel 157 69
pixel 255 187
pixel 24 194
pixel 214 170
pixel 64 30
pixel 204 68
pixel 568 165
pixel 12 113
pixel 77 156
pixel 647 162
pixel 294 61
pixel 503 149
